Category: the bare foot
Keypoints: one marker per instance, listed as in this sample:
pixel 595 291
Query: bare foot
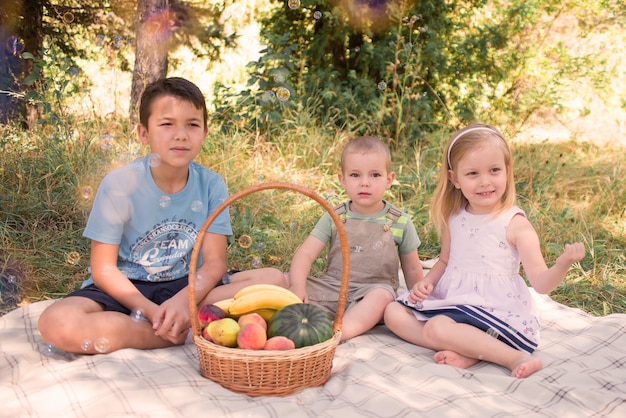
pixel 454 359
pixel 527 366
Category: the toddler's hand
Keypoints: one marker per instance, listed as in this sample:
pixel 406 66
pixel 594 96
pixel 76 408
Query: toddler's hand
pixel 300 293
pixel 420 291
pixel 572 253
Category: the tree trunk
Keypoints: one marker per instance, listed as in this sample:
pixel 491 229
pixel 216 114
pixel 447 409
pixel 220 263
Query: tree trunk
pixel 151 48
pixel 20 31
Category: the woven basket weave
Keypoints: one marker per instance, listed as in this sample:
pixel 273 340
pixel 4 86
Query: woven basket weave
pixel 268 373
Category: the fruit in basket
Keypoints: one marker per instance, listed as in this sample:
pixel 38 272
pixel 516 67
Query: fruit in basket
pixel 223 332
pixel 224 304
pixel 251 336
pixel 303 323
pixel 252 318
pixel 261 296
pixel 209 313
pixel 205 334
pixel 279 343
pixel 266 314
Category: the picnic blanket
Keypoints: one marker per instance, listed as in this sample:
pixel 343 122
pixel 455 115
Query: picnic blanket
pixel 373 375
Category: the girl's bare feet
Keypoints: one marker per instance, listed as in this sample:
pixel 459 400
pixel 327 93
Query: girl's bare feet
pixel 454 359
pixel 526 367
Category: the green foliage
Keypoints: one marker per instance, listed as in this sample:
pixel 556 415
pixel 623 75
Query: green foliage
pixel 452 62
pixel 406 70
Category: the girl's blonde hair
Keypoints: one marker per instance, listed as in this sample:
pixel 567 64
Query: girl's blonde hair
pixel 447 199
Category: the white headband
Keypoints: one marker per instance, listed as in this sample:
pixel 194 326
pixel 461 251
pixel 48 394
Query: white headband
pixel 456 138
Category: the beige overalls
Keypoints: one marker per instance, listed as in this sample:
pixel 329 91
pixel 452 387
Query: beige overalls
pixel 374 262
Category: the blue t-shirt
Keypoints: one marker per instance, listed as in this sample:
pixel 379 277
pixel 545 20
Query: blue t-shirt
pixel 155 231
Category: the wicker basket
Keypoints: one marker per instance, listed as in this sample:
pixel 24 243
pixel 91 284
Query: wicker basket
pixel 268 373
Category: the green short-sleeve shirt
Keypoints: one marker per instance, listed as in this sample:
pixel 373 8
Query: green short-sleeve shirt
pixel 404 232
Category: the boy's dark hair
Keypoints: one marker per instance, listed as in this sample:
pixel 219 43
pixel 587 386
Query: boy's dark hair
pixel 172 86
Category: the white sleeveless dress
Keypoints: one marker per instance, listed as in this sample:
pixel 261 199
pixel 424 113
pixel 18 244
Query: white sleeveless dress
pixel 481 285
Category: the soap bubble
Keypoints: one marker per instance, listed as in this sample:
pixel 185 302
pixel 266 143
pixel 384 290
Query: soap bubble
pixel 48 349
pixel 86 345
pixel 68 17
pixel 282 94
pixel 382 85
pixel 165 201
pixel 155 160
pixel 106 141
pixel 293 4
pixel 86 192
pixel 15 45
pixel 102 344
pixel 196 206
pixel 245 241
pixel 268 96
pixel 72 257
pixel 317 15
pixel 118 41
pixel 99 40
pixel 162 24
pixel 257 262
pixel 137 314
pixel 198 280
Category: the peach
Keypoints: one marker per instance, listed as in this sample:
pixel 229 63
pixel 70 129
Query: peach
pixel 279 343
pixel 252 336
pixel 209 313
pixel 252 318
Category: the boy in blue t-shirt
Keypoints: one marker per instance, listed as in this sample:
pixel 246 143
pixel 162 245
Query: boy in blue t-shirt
pixel 143 225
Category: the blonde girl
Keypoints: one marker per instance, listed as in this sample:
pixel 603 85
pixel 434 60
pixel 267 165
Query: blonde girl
pixel 473 305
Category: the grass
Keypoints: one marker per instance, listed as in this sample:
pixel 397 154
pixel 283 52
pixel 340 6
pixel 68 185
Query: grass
pixel 570 191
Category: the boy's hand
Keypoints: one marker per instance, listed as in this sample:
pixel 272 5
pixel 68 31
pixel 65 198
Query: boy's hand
pixel 572 253
pixel 171 321
pixel 420 291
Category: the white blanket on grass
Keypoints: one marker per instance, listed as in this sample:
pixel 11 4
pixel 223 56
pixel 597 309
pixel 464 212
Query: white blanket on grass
pixel 374 375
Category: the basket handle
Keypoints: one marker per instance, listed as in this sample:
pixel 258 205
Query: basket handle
pixel 343 238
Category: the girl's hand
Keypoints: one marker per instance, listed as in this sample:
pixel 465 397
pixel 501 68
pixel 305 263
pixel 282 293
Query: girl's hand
pixel 420 291
pixel 572 253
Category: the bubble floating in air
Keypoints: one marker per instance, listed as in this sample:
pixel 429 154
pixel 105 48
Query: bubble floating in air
pixel 293 4
pixel 155 160
pixel 68 17
pixel 106 141
pixel 15 45
pixel 282 94
pixel 86 192
pixel 72 257
pixel 196 206
pixel 165 201
pixel 382 85
pixel 268 96
pixel 102 344
pixel 86 345
pixel 257 262
pixel 137 314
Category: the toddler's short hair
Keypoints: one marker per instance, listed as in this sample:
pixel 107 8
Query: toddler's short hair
pixel 364 144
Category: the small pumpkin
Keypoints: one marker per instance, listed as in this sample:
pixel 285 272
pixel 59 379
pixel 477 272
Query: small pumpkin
pixel 303 323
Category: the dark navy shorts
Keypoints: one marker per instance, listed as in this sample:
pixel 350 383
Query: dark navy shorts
pixel 157 292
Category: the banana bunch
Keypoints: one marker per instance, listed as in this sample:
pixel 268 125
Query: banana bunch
pixel 264 299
